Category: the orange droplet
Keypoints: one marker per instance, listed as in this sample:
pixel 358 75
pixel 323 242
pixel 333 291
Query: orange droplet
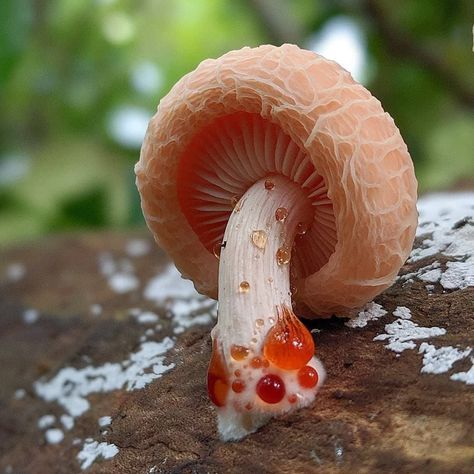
pixel 217 380
pixel 216 250
pixel 239 352
pixel 244 286
pixel 281 214
pixel 237 373
pixel 259 238
pixel 238 386
pixel 308 377
pixel 256 362
pixel 265 363
pixel 269 184
pixel 288 345
pixel 283 256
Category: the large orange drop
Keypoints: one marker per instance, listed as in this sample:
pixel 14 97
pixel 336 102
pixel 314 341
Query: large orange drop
pixel 288 345
pixel 217 379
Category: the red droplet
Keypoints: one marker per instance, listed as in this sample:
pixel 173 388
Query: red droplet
pixel 308 377
pixel 292 398
pixel 238 386
pixel 271 388
pixel 217 380
pixel 288 345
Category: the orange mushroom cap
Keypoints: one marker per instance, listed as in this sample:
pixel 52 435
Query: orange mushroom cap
pixel 282 110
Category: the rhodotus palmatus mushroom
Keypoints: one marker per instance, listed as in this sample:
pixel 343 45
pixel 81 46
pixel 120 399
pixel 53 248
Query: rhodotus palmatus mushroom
pixel 273 179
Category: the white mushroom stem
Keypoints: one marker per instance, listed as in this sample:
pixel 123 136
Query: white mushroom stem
pixel 254 282
pixel 252 240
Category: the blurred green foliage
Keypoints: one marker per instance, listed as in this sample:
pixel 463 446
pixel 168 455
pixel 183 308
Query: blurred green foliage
pixel 79 77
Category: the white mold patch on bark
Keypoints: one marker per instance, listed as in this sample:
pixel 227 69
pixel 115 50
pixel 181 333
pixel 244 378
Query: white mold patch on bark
pixel 402 333
pixel 371 312
pixel 440 360
pixel 70 386
pixel 92 450
pixel 185 305
pixel 446 225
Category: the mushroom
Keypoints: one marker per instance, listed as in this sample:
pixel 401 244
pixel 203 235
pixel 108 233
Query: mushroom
pixel 274 180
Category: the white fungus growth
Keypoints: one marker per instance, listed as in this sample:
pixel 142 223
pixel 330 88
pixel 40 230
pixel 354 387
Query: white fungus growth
pixel 30 316
pixel 180 299
pixel 104 421
pixel 70 386
pixel 123 282
pixel 46 421
pixel 119 273
pixel 431 276
pixel 67 421
pixel 458 274
pixel 402 332
pixel 438 361
pixel 446 223
pixel 19 394
pixel 93 450
pixel 438 213
pixel 54 436
pixel 137 248
pixel 169 284
pixel 145 317
pixel 402 312
pixel 466 377
pixel 371 312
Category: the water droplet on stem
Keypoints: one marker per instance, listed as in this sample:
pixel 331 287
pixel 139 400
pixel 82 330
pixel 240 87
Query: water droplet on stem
pixel 259 238
pixel 283 256
pixel 269 184
pixel 239 352
pixel 281 214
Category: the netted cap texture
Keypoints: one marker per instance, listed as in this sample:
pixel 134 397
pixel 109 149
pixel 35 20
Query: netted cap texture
pixel 342 129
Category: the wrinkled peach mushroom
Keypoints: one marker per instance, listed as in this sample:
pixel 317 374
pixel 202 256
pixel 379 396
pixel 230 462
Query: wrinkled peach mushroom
pixel 274 180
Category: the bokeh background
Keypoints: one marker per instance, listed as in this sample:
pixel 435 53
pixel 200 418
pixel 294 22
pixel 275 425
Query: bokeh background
pixel 79 80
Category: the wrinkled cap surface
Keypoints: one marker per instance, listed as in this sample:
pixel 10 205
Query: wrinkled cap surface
pixel 270 110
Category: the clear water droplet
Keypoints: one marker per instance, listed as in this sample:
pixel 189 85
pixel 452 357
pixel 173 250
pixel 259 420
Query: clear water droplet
pixel 269 184
pixel 259 238
pixel 244 286
pixel 281 214
pixel 259 322
pixel 283 256
pixel 302 228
